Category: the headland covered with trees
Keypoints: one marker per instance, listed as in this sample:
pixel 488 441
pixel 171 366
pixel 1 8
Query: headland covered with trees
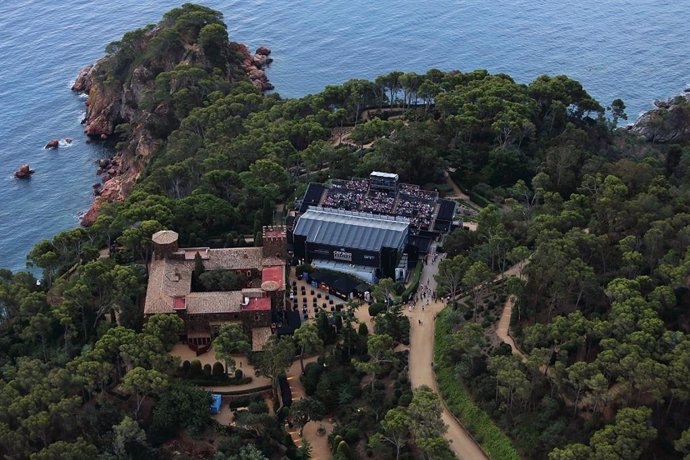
pixel 597 219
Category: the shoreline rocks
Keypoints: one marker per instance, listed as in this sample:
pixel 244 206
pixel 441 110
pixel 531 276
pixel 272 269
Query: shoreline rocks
pixel 668 122
pixel 255 65
pixel 24 172
pixel 144 128
pixel 82 83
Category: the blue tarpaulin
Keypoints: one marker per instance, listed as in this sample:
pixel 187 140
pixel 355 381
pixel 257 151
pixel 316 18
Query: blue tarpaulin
pixel 215 403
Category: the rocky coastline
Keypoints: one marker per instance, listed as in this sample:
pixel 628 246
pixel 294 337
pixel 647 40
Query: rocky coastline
pixel 668 122
pixel 255 65
pixel 112 109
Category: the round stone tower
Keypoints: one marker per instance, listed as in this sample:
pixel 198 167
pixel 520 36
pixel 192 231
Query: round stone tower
pixel 164 243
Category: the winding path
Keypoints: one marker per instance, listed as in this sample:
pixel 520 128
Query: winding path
pixel 421 364
pixel 503 328
pixel 421 358
pixel 421 373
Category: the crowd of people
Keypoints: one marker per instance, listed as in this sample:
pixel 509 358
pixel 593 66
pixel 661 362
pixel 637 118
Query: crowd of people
pixel 409 201
pixel 379 202
pixel 416 192
pixel 420 211
pixel 344 198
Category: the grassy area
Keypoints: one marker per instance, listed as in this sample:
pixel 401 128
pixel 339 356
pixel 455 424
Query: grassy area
pixel 479 199
pixel 494 442
pixel 411 289
pixel 469 204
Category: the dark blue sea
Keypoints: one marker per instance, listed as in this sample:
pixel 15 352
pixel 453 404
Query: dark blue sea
pixel 633 49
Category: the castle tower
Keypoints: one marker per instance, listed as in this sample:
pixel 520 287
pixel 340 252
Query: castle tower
pixel 275 242
pixel 164 243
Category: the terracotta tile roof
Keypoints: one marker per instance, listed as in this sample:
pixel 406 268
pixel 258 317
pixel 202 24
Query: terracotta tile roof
pixel 273 278
pixel 272 260
pixel 167 280
pixel 170 280
pixel 214 302
pixel 253 292
pixel 164 237
pixel 234 259
pixel 258 304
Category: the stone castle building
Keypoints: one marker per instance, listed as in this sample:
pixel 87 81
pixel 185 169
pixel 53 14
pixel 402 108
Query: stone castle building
pixel 170 287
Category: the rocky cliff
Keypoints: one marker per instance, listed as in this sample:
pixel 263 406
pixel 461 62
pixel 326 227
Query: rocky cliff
pixel 668 122
pixel 150 80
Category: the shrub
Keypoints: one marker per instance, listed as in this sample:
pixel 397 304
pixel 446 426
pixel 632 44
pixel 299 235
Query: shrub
pixel 405 399
pixel 351 435
pixel 186 365
pixel 310 379
pixel 337 440
pixel 208 370
pixel 258 407
pixel 363 329
pixel 494 441
pixel 218 369
pixel 195 368
pixel 411 289
pixel 238 374
pixel 239 402
pixel 376 308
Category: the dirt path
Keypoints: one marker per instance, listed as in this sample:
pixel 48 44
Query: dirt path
pixel 504 325
pixel 503 328
pixel 422 329
pixel 457 193
pixel 421 348
pixel 421 373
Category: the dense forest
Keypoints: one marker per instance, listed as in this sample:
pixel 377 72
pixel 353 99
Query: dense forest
pixel 601 218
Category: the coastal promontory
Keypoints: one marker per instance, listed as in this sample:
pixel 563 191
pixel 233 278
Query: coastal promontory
pixel 154 77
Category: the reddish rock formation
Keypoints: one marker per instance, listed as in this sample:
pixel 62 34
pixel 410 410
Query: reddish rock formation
pixel 52 144
pixel 83 81
pixel 259 60
pixel 90 216
pixel 254 65
pixel 121 102
pixel 24 172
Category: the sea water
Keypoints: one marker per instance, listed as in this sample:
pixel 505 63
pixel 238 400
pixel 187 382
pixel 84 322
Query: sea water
pixel 636 50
